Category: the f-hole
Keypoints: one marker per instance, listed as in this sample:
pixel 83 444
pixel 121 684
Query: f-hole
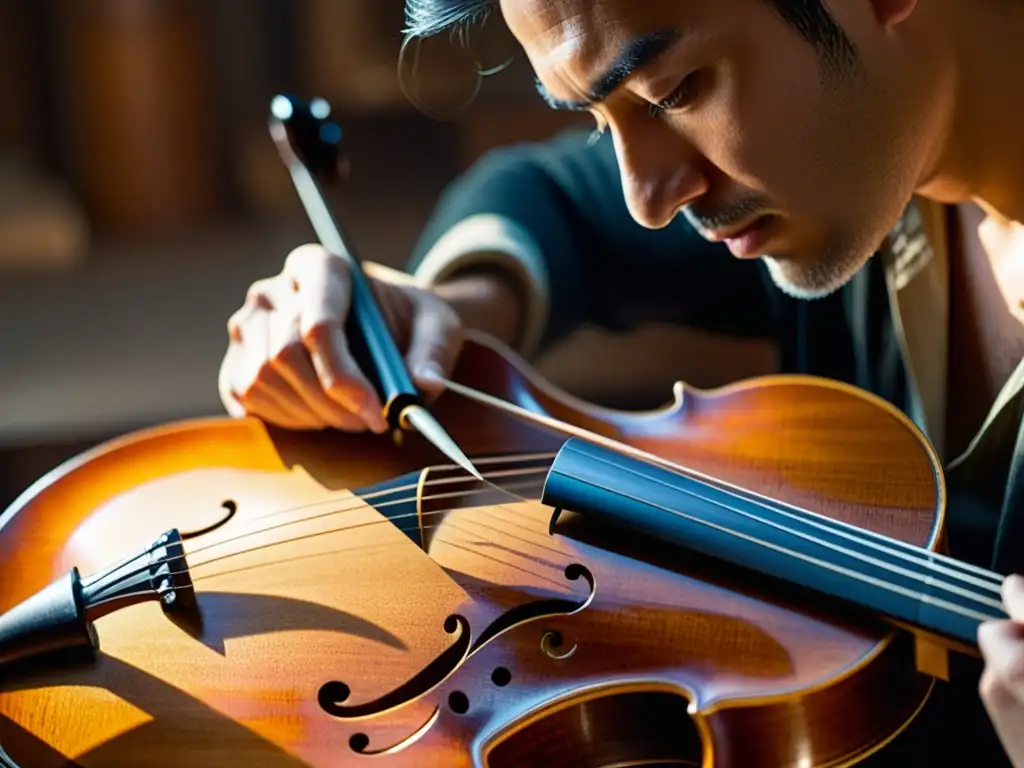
pixel 230 506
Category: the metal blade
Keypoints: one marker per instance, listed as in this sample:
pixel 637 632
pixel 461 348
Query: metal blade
pixel 424 423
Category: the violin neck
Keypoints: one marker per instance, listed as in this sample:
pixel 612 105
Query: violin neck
pixel 911 587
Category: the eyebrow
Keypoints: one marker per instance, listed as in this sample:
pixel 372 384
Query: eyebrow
pixel 637 53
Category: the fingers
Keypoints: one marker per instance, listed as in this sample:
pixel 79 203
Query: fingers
pixel 1002 684
pixel 434 344
pixel 1013 596
pixel 322 283
pixel 267 372
pixel 289 358
pixel 224 384
pixel 253 384
pixel 257 299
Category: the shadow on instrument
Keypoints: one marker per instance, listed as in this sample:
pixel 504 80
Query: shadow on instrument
pixel 168 721
pixel 417 620
pixel 615 729
pixel 271 645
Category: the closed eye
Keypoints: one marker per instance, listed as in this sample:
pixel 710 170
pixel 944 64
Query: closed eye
pixel 683 95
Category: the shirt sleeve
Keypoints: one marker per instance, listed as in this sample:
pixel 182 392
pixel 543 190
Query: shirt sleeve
pixel 554 216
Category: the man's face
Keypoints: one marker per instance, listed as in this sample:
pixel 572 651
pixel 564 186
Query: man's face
pixel 750 137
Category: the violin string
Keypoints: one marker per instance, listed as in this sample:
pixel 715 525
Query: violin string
pixel 893 587
pixel 920 596
pixel 933 561
pixel 962 590
pixel 937 561
pixel 391 543
pixel 392 519
pixel 856 532
pixel 362 505
pixel 365 547
pixel 358 505
pixel 345 529
pixel 342 529
pixel 560 584
pixel 924 558
pixel 512 459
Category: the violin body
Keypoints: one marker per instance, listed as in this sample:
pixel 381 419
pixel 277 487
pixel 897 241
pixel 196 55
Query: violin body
pixel 435 625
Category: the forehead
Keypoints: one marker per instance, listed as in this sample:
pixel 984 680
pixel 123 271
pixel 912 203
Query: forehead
pixel 568 41
pixel 557 30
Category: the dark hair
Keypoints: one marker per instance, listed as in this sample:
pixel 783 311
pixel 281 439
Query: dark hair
pixel 810 18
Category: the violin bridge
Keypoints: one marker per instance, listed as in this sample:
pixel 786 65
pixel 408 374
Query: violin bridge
pixel 931 657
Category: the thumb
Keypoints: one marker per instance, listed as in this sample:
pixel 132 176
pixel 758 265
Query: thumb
pixel 434 343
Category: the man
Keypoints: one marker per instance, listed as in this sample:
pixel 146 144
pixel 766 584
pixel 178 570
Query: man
pixel 862 161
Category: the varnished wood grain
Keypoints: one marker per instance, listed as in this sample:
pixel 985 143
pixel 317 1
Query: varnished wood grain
pixel 771 677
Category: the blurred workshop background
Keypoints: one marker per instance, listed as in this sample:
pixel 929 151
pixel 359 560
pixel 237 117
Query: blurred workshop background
pixel 140 195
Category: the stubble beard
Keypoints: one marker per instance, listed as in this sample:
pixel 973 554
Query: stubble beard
pixel 831 270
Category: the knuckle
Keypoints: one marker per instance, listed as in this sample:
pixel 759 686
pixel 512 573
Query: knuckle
pixel 238 321
pixel 259 291
pixel 234 327
pixel 306 257
pixel 240 315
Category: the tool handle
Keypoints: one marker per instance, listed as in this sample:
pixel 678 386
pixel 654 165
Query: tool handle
pixel 311 146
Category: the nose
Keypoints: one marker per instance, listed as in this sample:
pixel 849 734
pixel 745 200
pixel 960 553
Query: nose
pixel 661 171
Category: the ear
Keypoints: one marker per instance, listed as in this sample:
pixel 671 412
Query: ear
pixel 892 12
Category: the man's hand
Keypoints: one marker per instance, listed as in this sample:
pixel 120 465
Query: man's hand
pixel 1002 683
pixel 288 361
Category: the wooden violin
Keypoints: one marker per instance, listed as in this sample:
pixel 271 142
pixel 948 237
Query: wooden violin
pixel 749 576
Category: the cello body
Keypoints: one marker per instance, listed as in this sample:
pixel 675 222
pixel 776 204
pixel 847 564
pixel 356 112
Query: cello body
pixel 437 623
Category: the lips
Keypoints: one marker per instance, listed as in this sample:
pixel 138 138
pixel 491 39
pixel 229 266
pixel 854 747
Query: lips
pixel 748 241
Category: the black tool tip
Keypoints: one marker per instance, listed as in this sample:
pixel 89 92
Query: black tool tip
pixel 304 128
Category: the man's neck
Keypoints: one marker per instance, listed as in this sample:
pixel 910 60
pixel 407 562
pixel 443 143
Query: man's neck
pixel 983 153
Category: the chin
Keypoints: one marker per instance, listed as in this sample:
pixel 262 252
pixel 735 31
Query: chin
pixel 820 278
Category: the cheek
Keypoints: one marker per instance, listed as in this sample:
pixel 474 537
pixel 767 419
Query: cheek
pixel 767 127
